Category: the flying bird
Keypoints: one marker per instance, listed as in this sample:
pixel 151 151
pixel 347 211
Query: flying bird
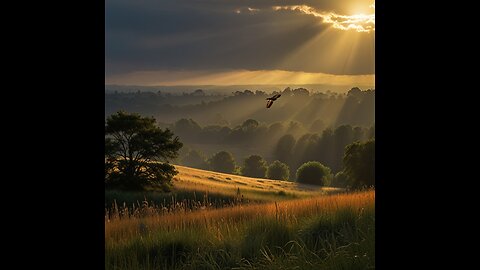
pixel 271 100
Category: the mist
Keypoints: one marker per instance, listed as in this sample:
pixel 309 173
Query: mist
pixel 301 125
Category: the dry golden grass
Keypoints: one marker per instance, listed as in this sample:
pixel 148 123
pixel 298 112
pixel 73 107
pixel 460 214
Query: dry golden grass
pixel 252 188
pixel 224 220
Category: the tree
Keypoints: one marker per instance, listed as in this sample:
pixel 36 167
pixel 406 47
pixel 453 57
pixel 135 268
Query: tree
pixel 358 134
pixel 325 148
pixel 198 93
pixel 359 161
pixel 295 128
pixel 300 92
pixel 355 91
pixel 286 92
pixel 278 170
pixel 342 136
pixel 284 148
pixel 195 159
pixel 341 180
pixel 137 152
pixel 223 162
pixel 273 133
pixel 371 132
pixel 187 129
pixel 314 173
pixel 250 125
pixel 301 149
pixel 254 166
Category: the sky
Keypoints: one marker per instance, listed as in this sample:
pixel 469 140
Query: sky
pixel 239 42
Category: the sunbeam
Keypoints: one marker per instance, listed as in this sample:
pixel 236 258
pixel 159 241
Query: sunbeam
pixel 357 22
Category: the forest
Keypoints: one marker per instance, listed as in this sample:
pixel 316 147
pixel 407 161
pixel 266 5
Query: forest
pixel 301 126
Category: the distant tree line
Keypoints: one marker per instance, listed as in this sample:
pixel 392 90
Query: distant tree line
pixel 137 155
pixel 327 147
pixel 357 168
pixel 356 107
pixel 291 144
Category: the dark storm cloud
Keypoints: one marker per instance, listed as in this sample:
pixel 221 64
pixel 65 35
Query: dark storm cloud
pixel 212 34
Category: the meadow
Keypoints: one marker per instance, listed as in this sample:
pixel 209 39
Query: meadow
pixel 311 228
pixel 196 188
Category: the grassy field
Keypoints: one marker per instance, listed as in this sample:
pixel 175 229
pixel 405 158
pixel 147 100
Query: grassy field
pixel 314 230
pixel 252 188
pixel 195 188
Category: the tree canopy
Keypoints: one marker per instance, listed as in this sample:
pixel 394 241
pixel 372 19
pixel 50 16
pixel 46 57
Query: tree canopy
pixel 359 161
pixel 254 166
pixel 195 159
pixel 314 173
pixel 223 162
pixel 278 170
pixel 137 152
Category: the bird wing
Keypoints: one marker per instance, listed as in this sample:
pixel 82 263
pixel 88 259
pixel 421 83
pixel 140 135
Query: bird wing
pixel 269 103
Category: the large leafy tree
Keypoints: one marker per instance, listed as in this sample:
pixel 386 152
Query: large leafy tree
pixel 359 161
pixel 137 152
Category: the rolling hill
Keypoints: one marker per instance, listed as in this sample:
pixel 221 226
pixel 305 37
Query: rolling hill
pixel 191 179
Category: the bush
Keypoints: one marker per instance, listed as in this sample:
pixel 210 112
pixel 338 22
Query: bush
pixel 223 162
pixel 314 173
pixel 278 171
pixel 254 166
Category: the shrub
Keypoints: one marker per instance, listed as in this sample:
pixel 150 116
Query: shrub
pixel 314 173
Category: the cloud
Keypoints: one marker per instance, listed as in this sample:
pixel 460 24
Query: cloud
pixel 357 22
pixel 152 35
pixel 247 10
pixel 237 77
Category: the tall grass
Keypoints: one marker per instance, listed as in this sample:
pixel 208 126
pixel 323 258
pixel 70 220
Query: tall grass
pixel 121 203
pixel 328 232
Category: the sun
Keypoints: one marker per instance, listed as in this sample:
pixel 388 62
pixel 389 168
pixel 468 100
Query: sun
pixel 360 22
pixel 361 7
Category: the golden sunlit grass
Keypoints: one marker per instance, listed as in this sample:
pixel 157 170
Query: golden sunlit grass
pixel 288 211
pixel 288 232
pixel 323 228
pixel 251 188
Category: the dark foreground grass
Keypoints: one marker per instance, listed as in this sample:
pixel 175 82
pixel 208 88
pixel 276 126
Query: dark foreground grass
pixel 187 198
pixel 307 235
pixel 121 203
